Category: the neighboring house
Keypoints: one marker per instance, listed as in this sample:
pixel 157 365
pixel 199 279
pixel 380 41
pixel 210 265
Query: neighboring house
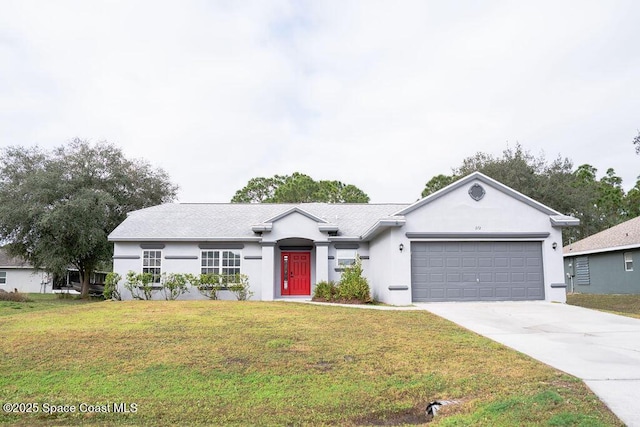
pixel 604 262
pixel 475 240
pixel 16 273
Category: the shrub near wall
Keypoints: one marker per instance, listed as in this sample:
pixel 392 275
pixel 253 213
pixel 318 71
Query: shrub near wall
pixel 173 285
pixel 352 288
pixel 13 296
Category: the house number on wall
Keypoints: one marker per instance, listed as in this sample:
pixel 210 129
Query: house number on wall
pixel 478 227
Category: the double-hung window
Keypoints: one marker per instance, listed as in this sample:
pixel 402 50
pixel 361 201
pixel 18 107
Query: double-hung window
pixel 346 257
pixel 3 277
pixel 220 261
pixel 152 264
pixel 628 261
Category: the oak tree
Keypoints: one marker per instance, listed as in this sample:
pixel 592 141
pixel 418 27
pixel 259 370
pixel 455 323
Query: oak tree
pixel 57 207
pixel 298 188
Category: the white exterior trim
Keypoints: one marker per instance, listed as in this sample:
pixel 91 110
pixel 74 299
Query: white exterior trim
pixel 597 251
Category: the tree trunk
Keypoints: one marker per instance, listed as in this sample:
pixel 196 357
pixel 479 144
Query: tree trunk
pixel 85 276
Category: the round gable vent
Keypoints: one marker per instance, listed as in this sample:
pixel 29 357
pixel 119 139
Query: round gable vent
pixel 476 192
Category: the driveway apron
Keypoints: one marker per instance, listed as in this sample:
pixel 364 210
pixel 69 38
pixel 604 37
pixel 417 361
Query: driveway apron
pixel 600 348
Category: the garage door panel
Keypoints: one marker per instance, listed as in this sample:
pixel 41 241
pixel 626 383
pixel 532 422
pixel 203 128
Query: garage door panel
pixel 471 271
pixel 518 292
pixel 453 293
pixel 486 293
pixel 453 262
pixel 485 262
pixel 535 293
pixel 485 277
pixel 517 262
pixel 469 277
pixel 454 277
pixel 517 277
pixel 419 278
pixel 421 262
pixel 502 277
pixel 437 293
pixel 501 262
pixel 534 277
pixel 469 262
pixel 502 292
pixel 534 262
pixel 436 262
pixel 470 293
pixel 483 246
pixel 436 277
pixel 516 247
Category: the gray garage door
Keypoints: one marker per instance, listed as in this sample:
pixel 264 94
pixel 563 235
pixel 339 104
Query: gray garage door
pixel 476 271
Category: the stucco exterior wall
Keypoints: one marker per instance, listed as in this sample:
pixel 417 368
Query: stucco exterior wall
pixel 294 225
pixel 26 280
pixel 390 269
pixel 497 212
pixel 128 257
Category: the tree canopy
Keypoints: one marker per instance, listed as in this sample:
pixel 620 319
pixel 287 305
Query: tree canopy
pixel 57 207
pixel 598 203
pixel 298 188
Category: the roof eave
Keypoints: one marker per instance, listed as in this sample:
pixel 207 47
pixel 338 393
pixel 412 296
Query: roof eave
pixel 382 224
pixel 261 228
pixel 185 239
pixel 564 221
pixel 486 180
pixel 601 250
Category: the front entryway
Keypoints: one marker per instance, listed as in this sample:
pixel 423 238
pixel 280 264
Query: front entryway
pixel 296 273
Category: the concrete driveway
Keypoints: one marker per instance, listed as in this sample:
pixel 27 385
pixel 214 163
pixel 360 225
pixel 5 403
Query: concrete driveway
pixel 600 348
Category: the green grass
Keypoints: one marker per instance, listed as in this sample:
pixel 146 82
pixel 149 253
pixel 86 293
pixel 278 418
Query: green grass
pixel 626 305
pixel 39 302
pixel 257 363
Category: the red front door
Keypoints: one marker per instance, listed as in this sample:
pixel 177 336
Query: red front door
pixel 296 273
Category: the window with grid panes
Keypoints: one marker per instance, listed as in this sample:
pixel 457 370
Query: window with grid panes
pixel 152 264
pixel 220 261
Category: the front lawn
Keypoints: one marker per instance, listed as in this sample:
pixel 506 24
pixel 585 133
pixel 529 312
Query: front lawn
pixel 626 305
pixel 37 302
pixel 257 363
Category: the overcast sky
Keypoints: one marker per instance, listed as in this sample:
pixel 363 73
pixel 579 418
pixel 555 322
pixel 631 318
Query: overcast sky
pixel 383 95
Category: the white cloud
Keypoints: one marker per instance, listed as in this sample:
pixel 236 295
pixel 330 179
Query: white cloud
pixel 383 95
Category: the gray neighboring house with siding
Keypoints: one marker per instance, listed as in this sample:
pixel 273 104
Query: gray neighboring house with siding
pixel 604 262
pixel 474 240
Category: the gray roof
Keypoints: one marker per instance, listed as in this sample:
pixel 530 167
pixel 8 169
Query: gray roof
pixel 8 261
pixel 620 237
pixel 209 221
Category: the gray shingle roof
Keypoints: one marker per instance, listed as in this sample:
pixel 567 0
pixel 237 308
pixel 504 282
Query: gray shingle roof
pixel 621 236
pixel 8 261
pixel 234 221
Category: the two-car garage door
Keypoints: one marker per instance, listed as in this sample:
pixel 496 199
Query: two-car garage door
pixel 476 271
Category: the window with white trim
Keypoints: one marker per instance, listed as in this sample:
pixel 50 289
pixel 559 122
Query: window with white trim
pixel 628 261
pixel 346 257
pixel 3 277
pixel 220 261
pixel 152 264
